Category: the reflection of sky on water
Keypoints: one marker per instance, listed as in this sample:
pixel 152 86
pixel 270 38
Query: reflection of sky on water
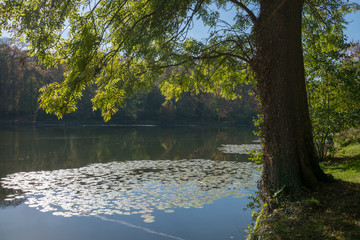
pixel 132 187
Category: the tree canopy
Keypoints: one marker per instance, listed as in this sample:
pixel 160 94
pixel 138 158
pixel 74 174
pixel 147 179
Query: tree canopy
pixel 122 46
pixel 21 78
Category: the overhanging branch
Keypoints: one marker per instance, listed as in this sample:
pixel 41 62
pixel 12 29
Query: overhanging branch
pixel 246 9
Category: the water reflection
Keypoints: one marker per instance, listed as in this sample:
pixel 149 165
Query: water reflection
pixel 51 148
pixel 131 187
pixel 11 197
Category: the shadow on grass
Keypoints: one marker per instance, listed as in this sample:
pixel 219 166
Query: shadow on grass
pixel 331 212
pixel 343 163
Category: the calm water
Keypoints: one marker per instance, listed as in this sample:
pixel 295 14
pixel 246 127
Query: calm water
pixel 124 182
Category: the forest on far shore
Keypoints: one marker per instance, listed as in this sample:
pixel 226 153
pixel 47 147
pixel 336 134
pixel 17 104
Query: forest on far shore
pixel 21 77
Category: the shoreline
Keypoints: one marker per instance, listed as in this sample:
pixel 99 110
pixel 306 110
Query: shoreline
pixel 117 124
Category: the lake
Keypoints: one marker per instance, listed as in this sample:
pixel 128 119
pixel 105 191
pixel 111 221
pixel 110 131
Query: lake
pixel 125 182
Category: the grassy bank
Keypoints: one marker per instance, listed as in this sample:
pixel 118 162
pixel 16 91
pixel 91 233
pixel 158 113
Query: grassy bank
pixel 346 164
pixel 331 212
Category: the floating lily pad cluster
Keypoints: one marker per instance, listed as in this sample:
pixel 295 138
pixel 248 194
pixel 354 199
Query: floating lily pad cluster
pixel 240 149
pixel 132 187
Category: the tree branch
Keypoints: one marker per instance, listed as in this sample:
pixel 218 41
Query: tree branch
pixel 246 9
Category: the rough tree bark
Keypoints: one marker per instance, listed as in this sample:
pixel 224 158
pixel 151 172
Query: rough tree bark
pixel 290 161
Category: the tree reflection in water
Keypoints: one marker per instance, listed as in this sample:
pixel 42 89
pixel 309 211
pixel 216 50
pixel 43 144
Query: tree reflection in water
pixel 11 197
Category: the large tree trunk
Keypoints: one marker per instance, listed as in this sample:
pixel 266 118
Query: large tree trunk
pixel 290 161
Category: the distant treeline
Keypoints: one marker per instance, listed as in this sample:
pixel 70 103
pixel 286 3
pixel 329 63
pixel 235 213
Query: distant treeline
pixel 21 77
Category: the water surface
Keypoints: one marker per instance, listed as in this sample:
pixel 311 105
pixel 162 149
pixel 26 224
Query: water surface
pixel 124 182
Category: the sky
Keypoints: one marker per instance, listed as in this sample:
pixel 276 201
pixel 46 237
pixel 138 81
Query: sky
pixel 353 29
pixel 200 32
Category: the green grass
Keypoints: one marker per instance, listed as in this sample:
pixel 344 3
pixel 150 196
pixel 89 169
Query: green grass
pixel 353 150
pixel 330 212
pixel 345 165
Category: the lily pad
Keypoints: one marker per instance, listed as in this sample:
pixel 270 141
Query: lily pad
pixel 133 187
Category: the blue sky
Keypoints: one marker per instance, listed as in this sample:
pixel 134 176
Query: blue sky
pixel 353 30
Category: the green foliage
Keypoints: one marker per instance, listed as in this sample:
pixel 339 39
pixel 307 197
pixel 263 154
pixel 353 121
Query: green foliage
pixel 333 79
pixel 258 123
pixel 22 77
pixel 258 156
pixel 347 137
pixel 125 46
pixel 121 47
pixel 256 205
